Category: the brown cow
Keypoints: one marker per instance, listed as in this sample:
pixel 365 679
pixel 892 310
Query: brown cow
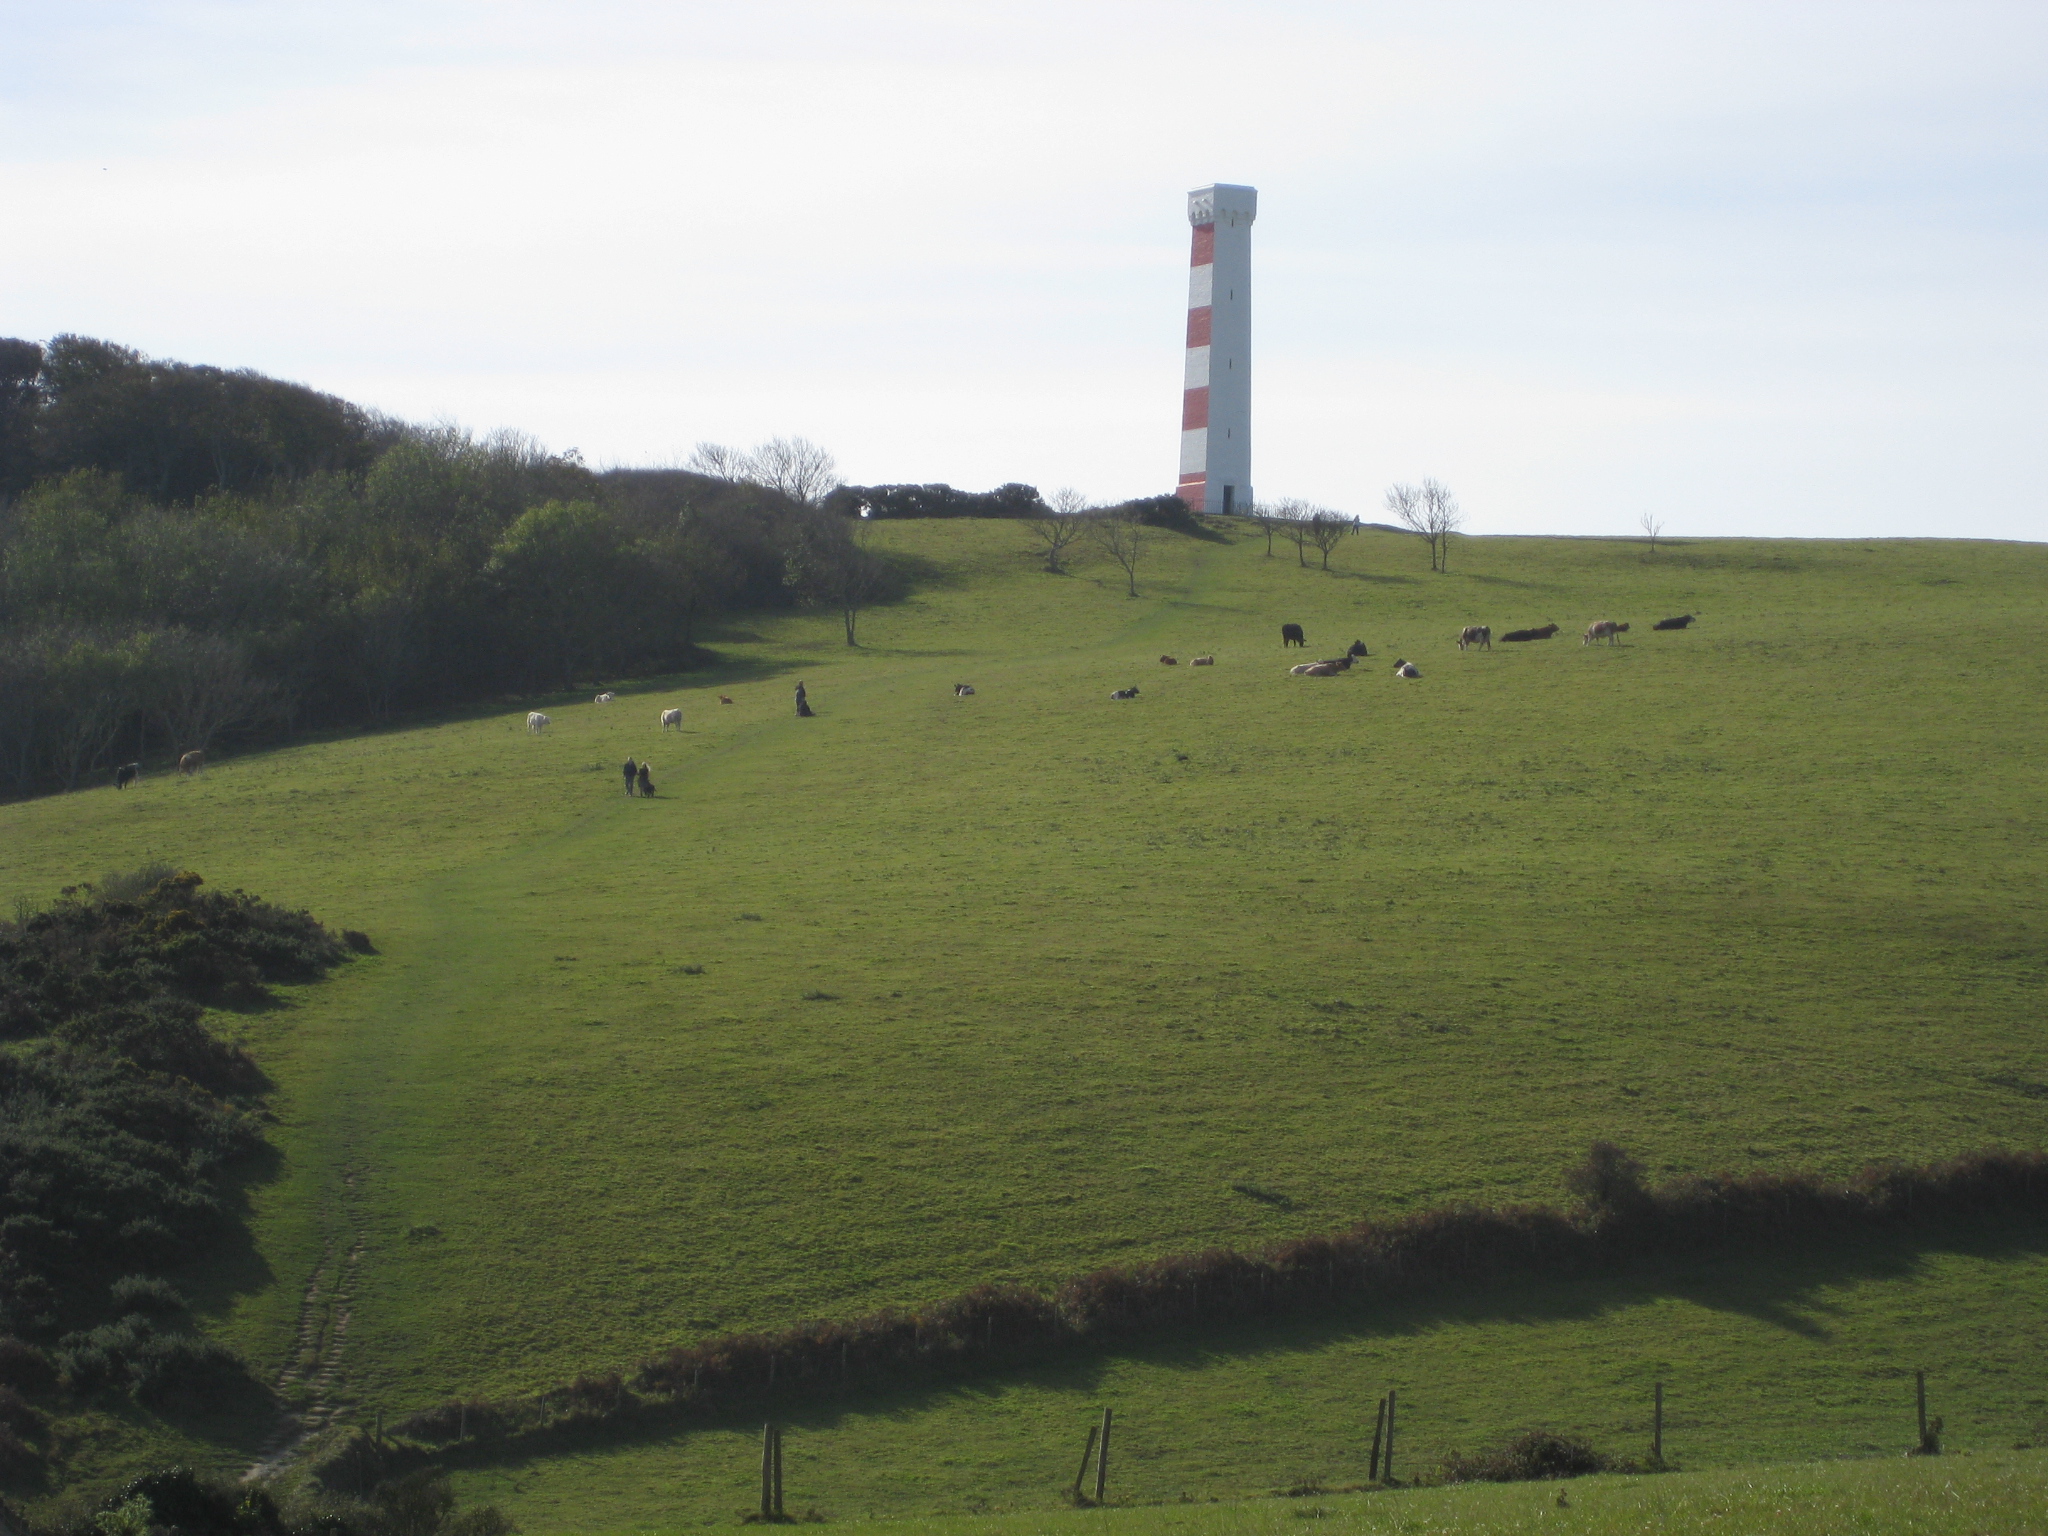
pixel 191 763
pixel 1604 629
pixel 1531 634
pixel 1680 622
pixel 1169 661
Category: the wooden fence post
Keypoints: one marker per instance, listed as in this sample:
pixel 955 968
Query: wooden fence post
pixel 1102 1460
pixel 767 1471
pixel 1387 1466
pixel 1657 1426
pixel 1379 1425
pixel 463 1432
pixel 1087 1451
pixel 778 1472
pixel 1919 1395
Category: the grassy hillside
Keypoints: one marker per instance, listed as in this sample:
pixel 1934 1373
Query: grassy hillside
pixel 1005 987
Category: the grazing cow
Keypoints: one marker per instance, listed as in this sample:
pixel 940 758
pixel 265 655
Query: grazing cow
pixel 1203 661
pixel 1604 629
pixel 646 782
pixel 1406 669
pixel 1290 634
pixel 127 774
pixel 725 698
pixel 963 690
pixel 631 771
pixel 1358 649
pixel 1125 693
pixel 671 717
pixel 536 721
pixel 1169 661
pixel 1480 635
pixel 604 698
pixel 1680 622
pixel 191 763
pixel 1531 634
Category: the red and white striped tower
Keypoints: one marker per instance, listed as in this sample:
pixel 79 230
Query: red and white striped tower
pixel 1216 403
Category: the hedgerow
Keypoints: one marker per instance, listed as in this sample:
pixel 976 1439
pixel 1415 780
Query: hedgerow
pixel 1619 1221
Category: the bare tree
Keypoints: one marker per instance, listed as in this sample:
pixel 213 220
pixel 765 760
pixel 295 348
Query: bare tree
pixel 1291 515
pixel 1326 530
pixel 828 563
pixel 1653 525
pixel 1122 537
pixel 202 685
pixel 719 462
pixel 1059 526
pixel 1432 511
pixel 795 466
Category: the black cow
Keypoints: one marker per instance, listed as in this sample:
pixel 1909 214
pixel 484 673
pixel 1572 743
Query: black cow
pixel 1290 634
pixel 1358 649
pixel 1531 634
pixel 1680 622
pixel 127 774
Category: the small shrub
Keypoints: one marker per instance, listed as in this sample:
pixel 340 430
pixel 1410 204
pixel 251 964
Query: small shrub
pixel 149 1295
pixel 182 1370
pixel 358 941
pixel 20 1416
pixel 1536 1456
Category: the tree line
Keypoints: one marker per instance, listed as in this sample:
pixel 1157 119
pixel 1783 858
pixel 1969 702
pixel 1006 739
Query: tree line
pixel 188 553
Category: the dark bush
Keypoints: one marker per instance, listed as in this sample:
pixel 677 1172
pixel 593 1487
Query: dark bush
pixel 1535 1456
pixel 24 1367
pixel 21 1464
pixel 183 1503
pixel 21 1416
pixel 149 1295
pixel 1162 512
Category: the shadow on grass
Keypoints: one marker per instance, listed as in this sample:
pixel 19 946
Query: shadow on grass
pixel 1779 1290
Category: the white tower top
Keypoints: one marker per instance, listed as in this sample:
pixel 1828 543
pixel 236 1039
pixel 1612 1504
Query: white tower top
pixel 1223 204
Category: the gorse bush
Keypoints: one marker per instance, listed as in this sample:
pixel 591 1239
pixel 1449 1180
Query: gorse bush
pixel 123 1121
pixel 1536 1456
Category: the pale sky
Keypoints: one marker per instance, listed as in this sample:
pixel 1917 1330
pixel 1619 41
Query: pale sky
pixel 1758 268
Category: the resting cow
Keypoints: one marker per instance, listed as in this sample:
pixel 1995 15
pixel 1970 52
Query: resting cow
pixel 1480 635
pixel 1681 622
pixel 1604 629
pixel 1406 669
pixel 1125 693
pixel 1290 634
pixel 671 717
pixel 1203 661
pixel 604 698
pixel 1169 661
pixel 1531 634
pixel 1320 669
pixel 963 690
pixel 1358 649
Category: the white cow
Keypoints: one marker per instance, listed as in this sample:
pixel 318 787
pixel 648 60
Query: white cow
pixel 604 698
pixel 537 722
pixel 671 717
pixel 1406 669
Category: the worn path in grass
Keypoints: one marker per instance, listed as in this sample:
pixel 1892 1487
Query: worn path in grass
pixel 1007 987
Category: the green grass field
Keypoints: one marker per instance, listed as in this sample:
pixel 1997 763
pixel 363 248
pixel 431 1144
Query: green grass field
pixel 1011 986
pixel 1987 1497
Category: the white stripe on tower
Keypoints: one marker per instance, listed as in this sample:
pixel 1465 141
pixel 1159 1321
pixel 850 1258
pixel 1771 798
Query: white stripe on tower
pixel 1215 413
